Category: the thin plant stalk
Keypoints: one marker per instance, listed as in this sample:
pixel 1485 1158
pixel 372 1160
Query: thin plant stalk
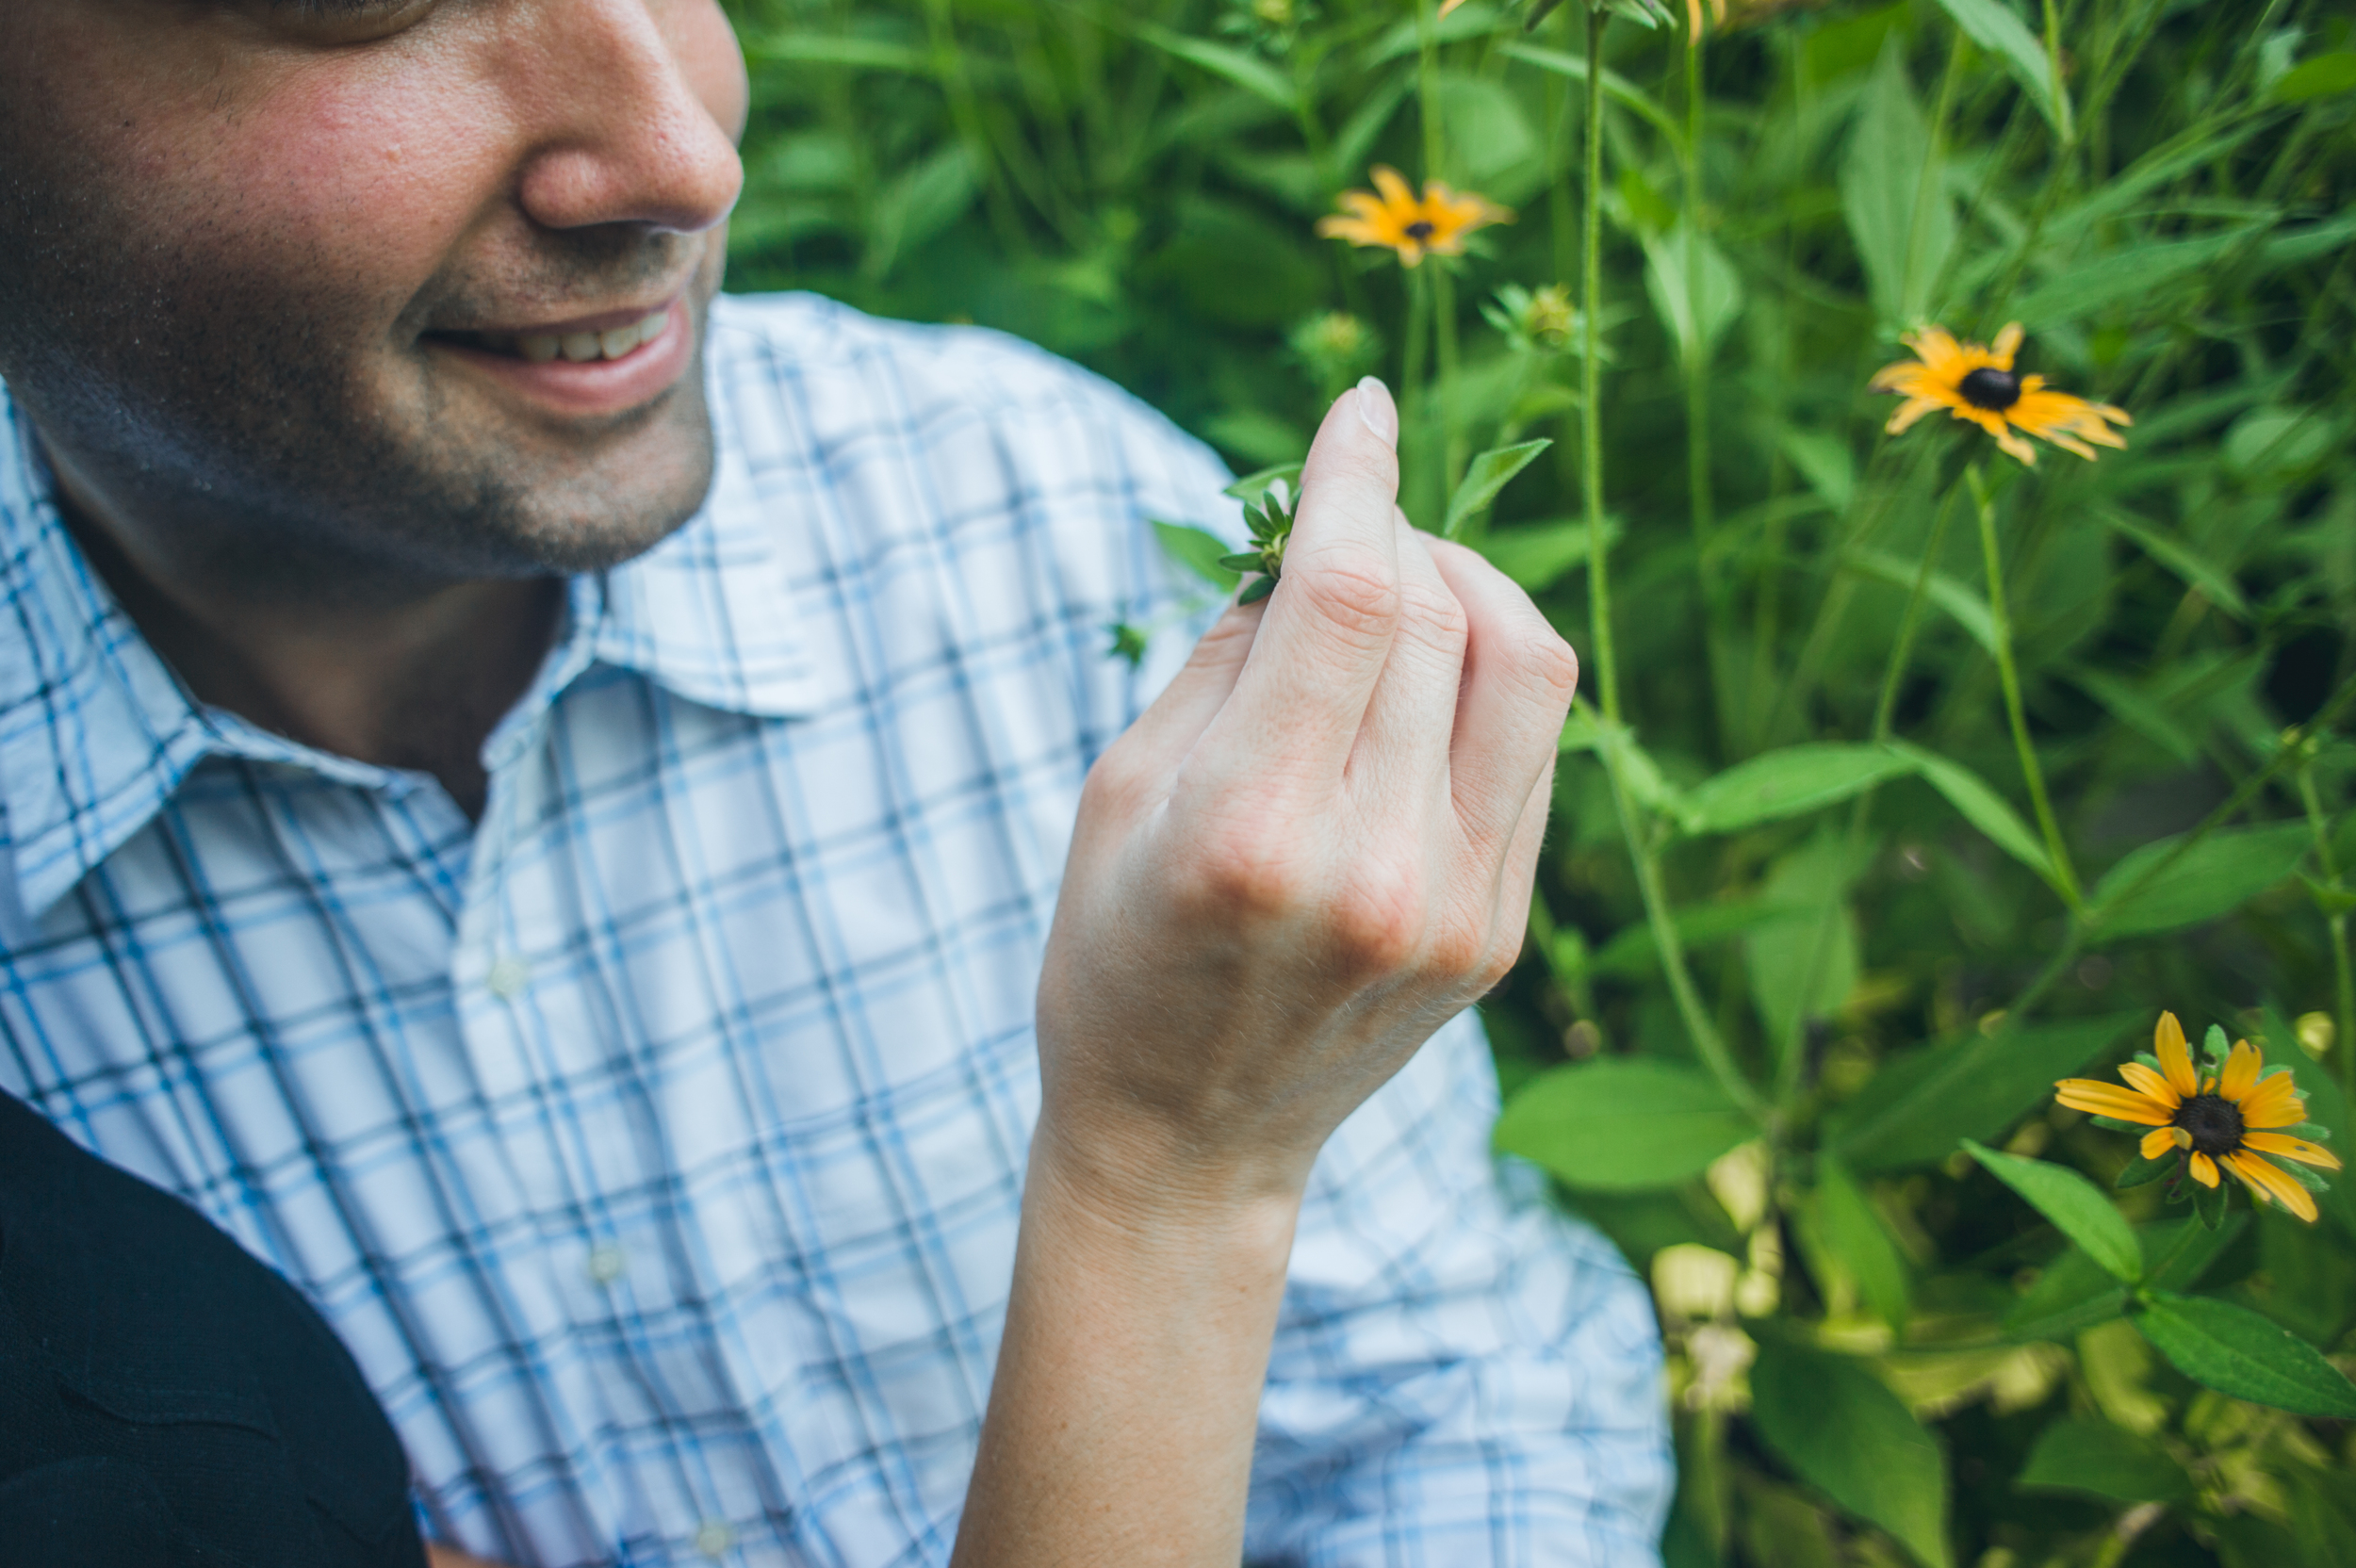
pixel 2335 921
pixel 1443 334
pixel 1790 1062
pixel 1707 1043
pixel 2032 773
pixel 1443 295
pixel 1699 496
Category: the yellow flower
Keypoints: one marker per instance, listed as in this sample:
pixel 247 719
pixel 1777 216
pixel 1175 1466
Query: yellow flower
pixel 2231 1118
pixel 1978 383
pixel 1435 223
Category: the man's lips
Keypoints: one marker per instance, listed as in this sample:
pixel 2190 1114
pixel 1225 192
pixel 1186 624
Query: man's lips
pixel 588 366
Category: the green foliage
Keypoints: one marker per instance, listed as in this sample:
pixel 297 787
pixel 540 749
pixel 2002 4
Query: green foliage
pixel 1873 821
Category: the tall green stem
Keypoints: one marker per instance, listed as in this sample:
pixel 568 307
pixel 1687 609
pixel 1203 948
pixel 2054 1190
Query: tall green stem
pixel 1591 379
pixel 1443 286
pixel 2031 772
pixel 1452 412
pixel 2335 921
pixel 1699 496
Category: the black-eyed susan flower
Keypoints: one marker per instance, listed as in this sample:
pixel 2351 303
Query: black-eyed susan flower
pixel 1976 382
pixel 1393 215
pixel 2233 1115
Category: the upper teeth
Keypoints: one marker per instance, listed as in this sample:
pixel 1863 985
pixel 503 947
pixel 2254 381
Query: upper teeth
pixel 583 346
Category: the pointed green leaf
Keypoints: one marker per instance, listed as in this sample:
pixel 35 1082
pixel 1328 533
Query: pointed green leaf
pixel 1199 550
pixel 2130 274
pixel 1963 605
pixel 1850 1438
pixel 1787 783
pixel 1251 486
pixel 1489 473
pixel 2320 77
pixel 1987 23
pixel 2106 1461
pixel 2218 876
pixel 1622 1124
pixel 2183 560
pixel 1695 333
pixel 1248 72
pixel 2236 1351
pixel 2077 1208
pixel 1913 1111
pixel 1855 1235
pixel 1537 556
pixel 1980 805
pixel 1903 241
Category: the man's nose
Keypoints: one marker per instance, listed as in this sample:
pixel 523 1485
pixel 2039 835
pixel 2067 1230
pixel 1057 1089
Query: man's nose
pixel 627 100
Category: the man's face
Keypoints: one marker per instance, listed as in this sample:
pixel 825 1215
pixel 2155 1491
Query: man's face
pixel 419 285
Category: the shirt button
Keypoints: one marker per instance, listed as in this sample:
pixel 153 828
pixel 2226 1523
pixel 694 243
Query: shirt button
pixel 714 1539
pixel 508 977
pixel 607 1261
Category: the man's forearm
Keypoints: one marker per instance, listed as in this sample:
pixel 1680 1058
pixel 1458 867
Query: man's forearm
pixel 1122 1421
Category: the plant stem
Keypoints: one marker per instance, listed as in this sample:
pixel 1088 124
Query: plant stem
pixel 1412 373
pixel 2031 772
pixel 2342 974
pixel 1591 379
pixel 1790 1060
pixel 1451 418
pixel 1699 496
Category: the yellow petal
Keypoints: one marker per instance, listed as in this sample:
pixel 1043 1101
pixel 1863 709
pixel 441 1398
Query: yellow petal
pixel 1910 412
pixel 1448 5
pixel 2274 1103
pixel 1935 347
pixel 2085 1094
pixel 2269 1182
pixel 2158 1141
pixel 1394 186
pixel 2286 1147
pixel 2168 1043
pixel 2204 1170
pixel 2150 1083
pixel 2006 345
pixel 2241 1071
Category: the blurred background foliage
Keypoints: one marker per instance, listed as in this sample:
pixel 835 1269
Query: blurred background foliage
pixel 1803 923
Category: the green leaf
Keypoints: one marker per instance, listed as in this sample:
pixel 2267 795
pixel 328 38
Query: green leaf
pixel 1787 783
pixel 1199 552
pixel 1622 1124
pixel 1251 486
pixel 2236 1351
pixel 2130 274
pixel 1994 28
pixel 1248 72
pixel 1256 590
pixel 1633 953
pixel 2074 1291
pixel 2218 876
pixel 1980 805
pixel 2320 77
pixel 2106 1461
pixel 1825 461
pixel 2327 1103
pixel 1913 1111
pixel 1881 175
pixel 1489 473
pixel 1804 965
pixel 2077 1208
pixel 1855 1235
pixel 1963 604
pixel 1850 1437
pixel 921 202
pixel 2137 711
pixel 2222 590
pixel 795 47
pixel 1672 293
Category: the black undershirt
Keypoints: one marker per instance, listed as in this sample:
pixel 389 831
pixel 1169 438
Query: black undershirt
pixel 166 1401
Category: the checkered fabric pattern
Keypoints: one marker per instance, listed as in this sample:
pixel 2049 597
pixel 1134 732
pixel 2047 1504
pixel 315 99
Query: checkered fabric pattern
pixel 656 1144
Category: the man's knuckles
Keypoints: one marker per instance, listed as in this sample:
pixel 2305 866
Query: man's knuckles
pixel 1347 589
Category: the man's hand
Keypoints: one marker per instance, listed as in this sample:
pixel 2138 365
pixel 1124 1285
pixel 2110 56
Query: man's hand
pixel 1313 850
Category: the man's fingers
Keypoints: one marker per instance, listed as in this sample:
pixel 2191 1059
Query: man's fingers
pixel 1517 685
pixel 1401 756
pixel 1170 726
pixel 1329 628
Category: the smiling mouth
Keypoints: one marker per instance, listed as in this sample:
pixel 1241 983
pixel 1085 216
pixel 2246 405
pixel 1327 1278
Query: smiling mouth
pixel 578 348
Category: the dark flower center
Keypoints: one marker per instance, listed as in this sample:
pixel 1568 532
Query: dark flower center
pixel 1419 231
pixel 2213 1121
pixel 1990 388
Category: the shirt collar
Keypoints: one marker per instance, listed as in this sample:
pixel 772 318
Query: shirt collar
pixel 96 732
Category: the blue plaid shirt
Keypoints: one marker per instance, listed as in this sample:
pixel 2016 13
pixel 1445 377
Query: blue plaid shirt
pixel 657 1144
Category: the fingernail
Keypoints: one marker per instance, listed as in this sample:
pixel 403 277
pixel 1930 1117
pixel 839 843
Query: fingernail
pixel 1376 408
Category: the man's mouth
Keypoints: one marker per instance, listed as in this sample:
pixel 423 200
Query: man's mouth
pixel 579 348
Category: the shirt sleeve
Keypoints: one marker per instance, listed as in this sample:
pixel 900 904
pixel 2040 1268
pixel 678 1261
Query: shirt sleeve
pixel 1461 1376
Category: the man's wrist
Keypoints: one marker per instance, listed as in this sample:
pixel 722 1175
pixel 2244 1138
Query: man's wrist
pixel 1137 1192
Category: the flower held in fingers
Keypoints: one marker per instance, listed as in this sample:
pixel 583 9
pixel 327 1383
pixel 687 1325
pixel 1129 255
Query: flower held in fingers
pixel 1977 383
pixel 1392 213
pixel 2229 1113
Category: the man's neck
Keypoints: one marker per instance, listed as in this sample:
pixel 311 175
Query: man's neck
pixel 414 677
